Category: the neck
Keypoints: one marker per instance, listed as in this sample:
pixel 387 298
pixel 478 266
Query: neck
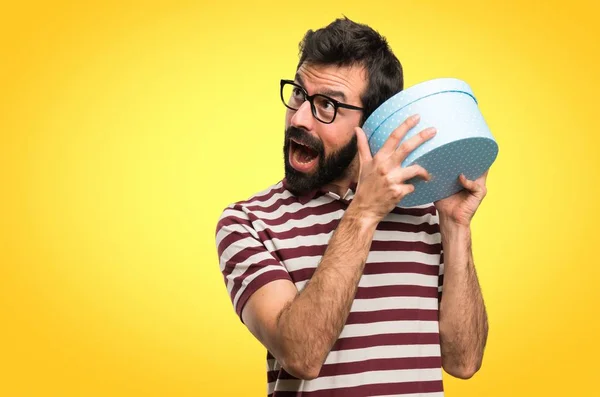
pixel 341 185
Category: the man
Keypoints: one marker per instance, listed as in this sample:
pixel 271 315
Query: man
pixel 342 287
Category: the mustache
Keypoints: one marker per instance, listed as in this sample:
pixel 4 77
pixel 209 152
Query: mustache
pixel 303 137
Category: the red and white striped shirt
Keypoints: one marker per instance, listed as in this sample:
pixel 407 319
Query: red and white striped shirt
pixel 390 344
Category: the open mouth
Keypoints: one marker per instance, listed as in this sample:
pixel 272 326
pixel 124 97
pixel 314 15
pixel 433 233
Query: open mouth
pixel 302 157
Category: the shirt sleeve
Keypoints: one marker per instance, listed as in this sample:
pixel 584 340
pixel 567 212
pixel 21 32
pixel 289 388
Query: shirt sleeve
pixel 245 262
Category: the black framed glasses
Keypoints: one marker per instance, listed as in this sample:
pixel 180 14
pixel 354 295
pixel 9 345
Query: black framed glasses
pixel 323 107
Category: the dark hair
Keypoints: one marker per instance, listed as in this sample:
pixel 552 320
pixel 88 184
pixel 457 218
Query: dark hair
pixel 346 43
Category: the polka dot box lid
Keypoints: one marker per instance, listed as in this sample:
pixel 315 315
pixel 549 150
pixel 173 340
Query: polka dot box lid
pixel 463 143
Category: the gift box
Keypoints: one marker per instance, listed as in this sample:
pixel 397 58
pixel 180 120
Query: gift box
pixel 463 143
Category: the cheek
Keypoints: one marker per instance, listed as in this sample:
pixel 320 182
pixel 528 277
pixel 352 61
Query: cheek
pixel 332 140
pixel 336 138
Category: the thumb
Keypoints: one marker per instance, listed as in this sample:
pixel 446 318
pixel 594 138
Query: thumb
pixel 364 153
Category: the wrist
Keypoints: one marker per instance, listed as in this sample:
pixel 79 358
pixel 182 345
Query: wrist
pixel 453 233
pixel 450 223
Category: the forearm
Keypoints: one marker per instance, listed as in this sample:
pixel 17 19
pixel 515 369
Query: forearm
pixel 463 320
pixel 310 324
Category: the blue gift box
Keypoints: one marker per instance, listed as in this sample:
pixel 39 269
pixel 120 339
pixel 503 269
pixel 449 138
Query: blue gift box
pixel 463 143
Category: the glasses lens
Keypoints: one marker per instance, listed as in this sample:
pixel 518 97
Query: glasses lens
pixel 325 108
pixel 292 96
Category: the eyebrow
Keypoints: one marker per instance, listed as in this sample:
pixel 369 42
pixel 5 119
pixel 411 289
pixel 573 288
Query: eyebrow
pixel 327 92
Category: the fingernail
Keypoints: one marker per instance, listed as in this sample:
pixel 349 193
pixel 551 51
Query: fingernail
pixel 416 117
pixel 432 131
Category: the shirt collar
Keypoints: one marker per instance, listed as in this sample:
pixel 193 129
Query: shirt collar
pixel 313 194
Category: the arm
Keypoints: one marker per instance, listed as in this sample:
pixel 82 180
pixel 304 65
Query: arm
pixel 278 315
pixel 463 318
pixel 299 329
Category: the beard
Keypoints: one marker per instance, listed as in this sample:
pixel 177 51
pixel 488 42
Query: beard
pixel 329 168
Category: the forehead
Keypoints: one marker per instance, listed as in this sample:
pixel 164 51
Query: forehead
pixel 349 82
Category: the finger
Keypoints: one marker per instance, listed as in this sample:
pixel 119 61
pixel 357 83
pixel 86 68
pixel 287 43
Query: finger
pixel 364 153
pixel 396 136
pixel 402 191
pixel 411 144
pixel 412 171
pixel 471 186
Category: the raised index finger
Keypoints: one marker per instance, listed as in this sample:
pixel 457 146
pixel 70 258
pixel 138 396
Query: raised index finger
pixel 396 136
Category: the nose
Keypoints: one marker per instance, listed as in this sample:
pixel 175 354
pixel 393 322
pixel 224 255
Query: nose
pixel 303 117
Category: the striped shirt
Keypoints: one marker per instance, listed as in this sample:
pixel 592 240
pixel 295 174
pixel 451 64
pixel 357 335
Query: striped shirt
pixel 390 343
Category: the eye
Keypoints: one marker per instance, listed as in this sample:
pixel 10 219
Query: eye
pixel 297 93
pixel 324 104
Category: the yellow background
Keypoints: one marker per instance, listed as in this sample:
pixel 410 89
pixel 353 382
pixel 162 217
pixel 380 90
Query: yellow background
pixel 126 129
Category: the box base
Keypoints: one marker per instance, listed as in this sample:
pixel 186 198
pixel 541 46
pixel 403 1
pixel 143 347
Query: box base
pixel 469 156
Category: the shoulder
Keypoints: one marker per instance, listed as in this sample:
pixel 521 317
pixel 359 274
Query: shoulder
pixel 240 211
